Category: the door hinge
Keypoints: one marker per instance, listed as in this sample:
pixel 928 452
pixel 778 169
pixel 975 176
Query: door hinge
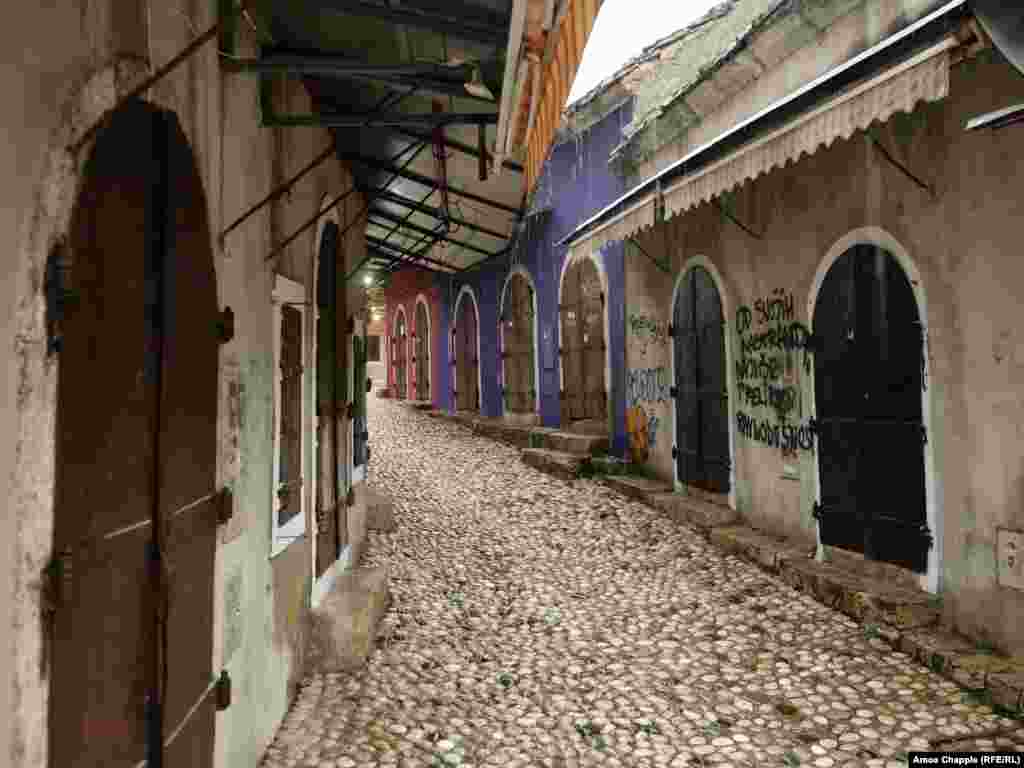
pixel 453 331
pixel 452 363
pixel 350 411
pixel 225 506
pixel 369 385
pixel 350 497
pixel 364 435
pixel 226 325
pixel 673 393
pixel 675 452
pixel 223 691
pixel 367 454
pixel 671 331
pixel 817 511
pixel 351 327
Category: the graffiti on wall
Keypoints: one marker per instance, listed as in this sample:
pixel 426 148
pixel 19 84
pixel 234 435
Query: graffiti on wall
pixel 647 330
pixel 646 388
pixel 770 338
pixel 647 385
pixel 642 431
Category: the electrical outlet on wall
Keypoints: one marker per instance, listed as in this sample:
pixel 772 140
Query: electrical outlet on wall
pixel 1010 554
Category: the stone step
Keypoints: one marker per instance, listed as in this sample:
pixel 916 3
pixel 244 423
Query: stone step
pixel 343 629
pixel 568 442
pixel 419 405
pixel 638 487
pixel 612 466
pixel 498 429
pixel 385 393
pixel 763 548
pixel 690 509
pixel 598 427
pixel 557 463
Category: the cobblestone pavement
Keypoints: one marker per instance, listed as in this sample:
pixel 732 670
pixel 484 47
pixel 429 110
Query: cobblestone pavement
pixel 535 623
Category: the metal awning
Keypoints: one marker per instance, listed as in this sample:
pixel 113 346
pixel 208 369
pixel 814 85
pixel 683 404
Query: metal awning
pixel 908 67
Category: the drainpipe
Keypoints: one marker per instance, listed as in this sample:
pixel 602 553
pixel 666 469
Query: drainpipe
pixel 515 43
pixel 534 92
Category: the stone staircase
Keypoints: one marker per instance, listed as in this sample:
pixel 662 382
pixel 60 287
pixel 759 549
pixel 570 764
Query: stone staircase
pixel 564 454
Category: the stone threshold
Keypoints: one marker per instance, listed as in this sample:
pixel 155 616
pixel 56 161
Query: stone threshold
pixel 907 619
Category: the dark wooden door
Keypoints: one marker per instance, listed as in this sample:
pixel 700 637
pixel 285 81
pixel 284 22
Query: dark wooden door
pixel 398 342
pixel 421 355
pixel 583 344
pixel 135 519
pixel 518 353
pixel 702 405
pixel 328 481
pixel 467 365
pixel 868 381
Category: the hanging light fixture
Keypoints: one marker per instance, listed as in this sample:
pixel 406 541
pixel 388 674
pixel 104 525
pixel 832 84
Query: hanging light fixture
pixel 476 87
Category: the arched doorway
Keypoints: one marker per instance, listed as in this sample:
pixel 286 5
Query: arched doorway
pixel 868 364
pixel 517 318
pixel 398 354
pixel 136 446
pixel 421 351
pixel 583 396
pixel 701 451
pixel 465 349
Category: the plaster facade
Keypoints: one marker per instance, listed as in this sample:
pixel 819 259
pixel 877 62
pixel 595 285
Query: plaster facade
pixel 406 290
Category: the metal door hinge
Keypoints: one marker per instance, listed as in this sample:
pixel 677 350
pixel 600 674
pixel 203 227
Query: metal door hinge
pixel 226 325
pixel 453 331
pixel 225 506
pixel 364 435
pixel 671 331
pixel 223 691
pixel 351 327
pixel 675 452
pixel 452 363
pixel 369 385
pixel 350 411
pixel 350 497
pixel 673 393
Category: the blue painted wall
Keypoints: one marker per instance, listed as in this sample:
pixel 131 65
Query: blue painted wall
pixel 575 183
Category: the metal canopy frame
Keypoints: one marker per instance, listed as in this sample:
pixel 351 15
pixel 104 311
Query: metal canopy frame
pixel 347 80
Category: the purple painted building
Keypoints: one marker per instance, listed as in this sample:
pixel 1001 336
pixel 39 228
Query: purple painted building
pixel 575 183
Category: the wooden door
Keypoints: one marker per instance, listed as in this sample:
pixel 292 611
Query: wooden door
pixel 583 344
pixel 398 343
pixel 327 372
pixel 135 517
pixel 289 478
pixel 360 432
pixel 467 364
pixel 421 359
pixel 518 352
pixel 868 379
pixel 702 405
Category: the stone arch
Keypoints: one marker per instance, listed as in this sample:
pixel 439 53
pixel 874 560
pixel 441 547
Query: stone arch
pixel 931 418
pixel 521 271
pixel 400 345
pixel 703 262
pixel 597 258
pixel 467 293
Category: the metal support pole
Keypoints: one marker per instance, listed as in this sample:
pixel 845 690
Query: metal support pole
pixel 292 237
pixel 283 189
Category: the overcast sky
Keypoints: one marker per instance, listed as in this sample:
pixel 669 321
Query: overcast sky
pixel 622 30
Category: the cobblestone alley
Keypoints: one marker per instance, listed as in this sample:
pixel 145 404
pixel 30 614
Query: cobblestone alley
pixel 534 623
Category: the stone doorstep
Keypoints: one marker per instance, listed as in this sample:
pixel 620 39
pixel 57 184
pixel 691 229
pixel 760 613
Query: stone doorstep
pixel 569 442
pixel 419 405
pixel 384 393
pixel 636 487
pixel 380 512
pixel 558 463
pixel 344 627
pixel 690 509
pixel 763 548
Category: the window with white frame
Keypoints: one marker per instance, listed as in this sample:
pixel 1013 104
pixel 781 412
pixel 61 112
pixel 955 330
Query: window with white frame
pixel 288 500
